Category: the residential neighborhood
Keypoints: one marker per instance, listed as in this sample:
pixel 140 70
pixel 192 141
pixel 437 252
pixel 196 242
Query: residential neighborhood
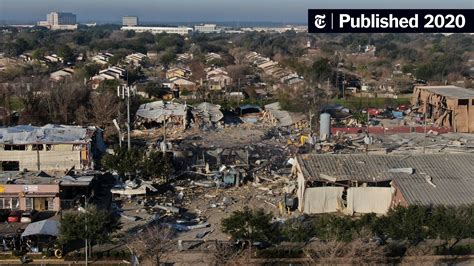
pixel 218 143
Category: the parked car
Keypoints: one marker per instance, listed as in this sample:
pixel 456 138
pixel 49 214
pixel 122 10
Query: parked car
pixel 28 217
pixel 14 216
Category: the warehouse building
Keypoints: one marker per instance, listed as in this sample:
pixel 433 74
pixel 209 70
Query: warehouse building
pixel 447 106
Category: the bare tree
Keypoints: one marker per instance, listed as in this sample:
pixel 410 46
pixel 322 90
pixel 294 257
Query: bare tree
pixel 197 68
pixel 104 108
pixel 225 252
pixel 153 243
pixel 356 251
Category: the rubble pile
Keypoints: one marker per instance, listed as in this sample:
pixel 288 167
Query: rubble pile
pixel 206 115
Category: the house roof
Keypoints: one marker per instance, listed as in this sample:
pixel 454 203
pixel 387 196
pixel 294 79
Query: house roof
pixel 49 134
pixel 160 110
pixel 438 179
pixel 449 91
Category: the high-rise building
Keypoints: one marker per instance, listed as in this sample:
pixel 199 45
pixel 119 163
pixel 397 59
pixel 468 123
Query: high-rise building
pixel 59 21
pixel 61 18
pixel 129 21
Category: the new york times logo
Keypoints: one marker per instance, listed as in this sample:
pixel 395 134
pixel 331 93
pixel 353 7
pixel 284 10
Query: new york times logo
pixel 391 20
pixel 319 21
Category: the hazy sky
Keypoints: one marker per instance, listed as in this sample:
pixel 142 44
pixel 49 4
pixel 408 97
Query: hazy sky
pixel 200 10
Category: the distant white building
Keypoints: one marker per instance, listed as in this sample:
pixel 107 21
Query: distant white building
pixel 60 21
pixel 157 30
pixel 129 21
pixel 206 28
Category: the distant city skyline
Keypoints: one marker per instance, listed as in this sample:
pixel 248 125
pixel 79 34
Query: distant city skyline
pixel 28 11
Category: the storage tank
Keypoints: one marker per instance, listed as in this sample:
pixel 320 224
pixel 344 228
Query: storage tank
pixel 325 126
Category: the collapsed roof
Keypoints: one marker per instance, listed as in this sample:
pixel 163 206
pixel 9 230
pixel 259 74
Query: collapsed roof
pixel 208 112
pixel 283 118
pixel 426 179
pixel 159 111
pixel 48 134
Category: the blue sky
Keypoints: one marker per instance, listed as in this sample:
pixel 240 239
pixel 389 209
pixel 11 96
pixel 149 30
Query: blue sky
pixel 200 10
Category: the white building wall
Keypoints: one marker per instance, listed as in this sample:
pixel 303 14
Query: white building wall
pixel 49 160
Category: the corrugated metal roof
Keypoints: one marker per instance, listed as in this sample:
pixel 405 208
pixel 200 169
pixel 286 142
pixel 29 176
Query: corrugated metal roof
pixel 450 91
pixel 451 174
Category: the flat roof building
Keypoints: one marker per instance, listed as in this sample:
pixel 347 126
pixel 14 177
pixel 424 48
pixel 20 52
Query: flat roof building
pixel 157 30
pixel 130 21
pixel 49 148
pixel 61 18
pixel 206 28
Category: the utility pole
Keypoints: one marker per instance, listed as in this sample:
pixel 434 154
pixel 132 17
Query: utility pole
pixel 122 92
pixel 129 146
pixel 86 240
pixel 424 137
pixel 38 155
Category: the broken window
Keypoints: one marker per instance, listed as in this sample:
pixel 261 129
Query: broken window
pixel 463 102
pixel 49 204
pixel 15 204
pixel 15 147
pixel 29 204
pixel 37 147
pixel 10 166
pixel 49 147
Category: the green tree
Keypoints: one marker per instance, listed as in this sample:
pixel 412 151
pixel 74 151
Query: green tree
pixel 138 163
pixel 125 162
pixel 101 224
pixel 66 53
pixel 331 227
pixel 168 58
pixel 404 223
pixel 250 225
pixel 320 70
pixel 91 70
pixel 156 164
pixel 37 54
pixel 450 224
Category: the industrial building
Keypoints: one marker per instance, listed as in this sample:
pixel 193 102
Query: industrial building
pixel 129 21
pixel 447 106
pixel 157 30
pixel 359 183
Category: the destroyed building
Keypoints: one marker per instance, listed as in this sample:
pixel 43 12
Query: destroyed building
pixel 40 191
pixel 281 118
pixel 361 183
pixel 249 113
pixel 161 113
pixel 230 165
pixel 206 114
pixel 447 106
pixel 50 148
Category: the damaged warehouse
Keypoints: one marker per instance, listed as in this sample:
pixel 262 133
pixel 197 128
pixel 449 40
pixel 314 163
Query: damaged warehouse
pixel 448 106
pixel 360 183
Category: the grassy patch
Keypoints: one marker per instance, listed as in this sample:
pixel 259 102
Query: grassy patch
pixel 355 103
